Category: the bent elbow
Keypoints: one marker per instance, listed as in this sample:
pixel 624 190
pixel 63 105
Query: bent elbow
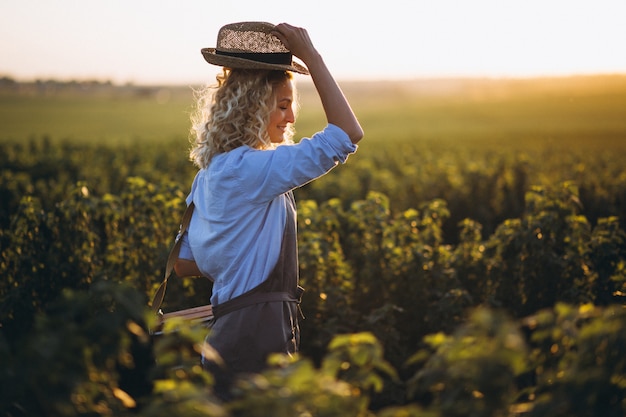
pixel 356 135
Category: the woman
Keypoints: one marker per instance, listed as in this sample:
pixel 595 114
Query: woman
pixel 243 231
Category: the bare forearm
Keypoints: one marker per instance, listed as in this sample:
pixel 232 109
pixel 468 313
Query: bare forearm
pixel 336 106
pixel 186 268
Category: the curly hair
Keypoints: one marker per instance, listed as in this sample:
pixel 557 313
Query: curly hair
pixel 235 112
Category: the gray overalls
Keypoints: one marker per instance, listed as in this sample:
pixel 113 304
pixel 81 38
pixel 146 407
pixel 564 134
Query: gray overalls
pixel 263 320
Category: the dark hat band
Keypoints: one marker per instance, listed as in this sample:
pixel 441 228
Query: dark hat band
pixel 281 58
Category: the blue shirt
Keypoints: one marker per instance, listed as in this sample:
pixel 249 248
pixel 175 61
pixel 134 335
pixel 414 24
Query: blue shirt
pixel 240 210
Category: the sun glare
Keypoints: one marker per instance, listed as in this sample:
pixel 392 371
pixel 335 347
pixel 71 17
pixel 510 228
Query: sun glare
pixel 395 39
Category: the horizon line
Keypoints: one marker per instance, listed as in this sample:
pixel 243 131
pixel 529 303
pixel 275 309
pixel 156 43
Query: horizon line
pixel 363 79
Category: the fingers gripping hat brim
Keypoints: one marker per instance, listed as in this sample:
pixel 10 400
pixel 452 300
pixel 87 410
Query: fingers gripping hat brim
pixel 251 45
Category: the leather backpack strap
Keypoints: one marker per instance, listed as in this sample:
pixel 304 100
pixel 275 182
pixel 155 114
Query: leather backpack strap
pixel 157 300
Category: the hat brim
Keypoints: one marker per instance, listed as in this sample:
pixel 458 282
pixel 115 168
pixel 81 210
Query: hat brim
pixel 234 62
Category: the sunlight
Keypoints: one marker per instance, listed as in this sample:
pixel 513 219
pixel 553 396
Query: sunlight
pixel 395 39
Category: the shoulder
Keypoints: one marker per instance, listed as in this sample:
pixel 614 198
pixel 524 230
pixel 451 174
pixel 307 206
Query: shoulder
pixel 229 164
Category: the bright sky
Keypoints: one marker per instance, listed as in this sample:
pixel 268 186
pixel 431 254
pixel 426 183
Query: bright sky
pixel 159 41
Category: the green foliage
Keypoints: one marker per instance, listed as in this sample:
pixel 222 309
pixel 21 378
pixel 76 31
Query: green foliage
pixel 181 386
pixel 45 253
pixel 543 257
pixel 358 359
pixel 85 239
pixel 607 251
pixel 481 273
pixel 89 355
pixel 579 361
pixel 473 372
pixel 295 387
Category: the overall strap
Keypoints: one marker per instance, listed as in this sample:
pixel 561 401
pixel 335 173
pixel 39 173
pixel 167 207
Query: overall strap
pixel 282 283
pixel 255 297
pixel 157 300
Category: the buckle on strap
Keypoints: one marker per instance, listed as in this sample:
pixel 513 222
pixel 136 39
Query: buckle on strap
pixel 299 292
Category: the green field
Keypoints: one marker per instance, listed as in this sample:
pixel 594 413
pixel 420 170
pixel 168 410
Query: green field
pixel 505 111
pixel 425 139
pixel 563 128
pixel 469 259
pixel 113 116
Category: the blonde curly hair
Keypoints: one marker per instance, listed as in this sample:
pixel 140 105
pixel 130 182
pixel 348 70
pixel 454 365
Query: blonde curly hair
pixel 236 112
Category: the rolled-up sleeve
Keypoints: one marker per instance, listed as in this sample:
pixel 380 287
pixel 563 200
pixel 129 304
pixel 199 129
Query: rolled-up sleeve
pixel 290 166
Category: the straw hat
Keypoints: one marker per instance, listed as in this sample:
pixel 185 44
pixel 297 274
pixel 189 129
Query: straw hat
pixel 250 45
